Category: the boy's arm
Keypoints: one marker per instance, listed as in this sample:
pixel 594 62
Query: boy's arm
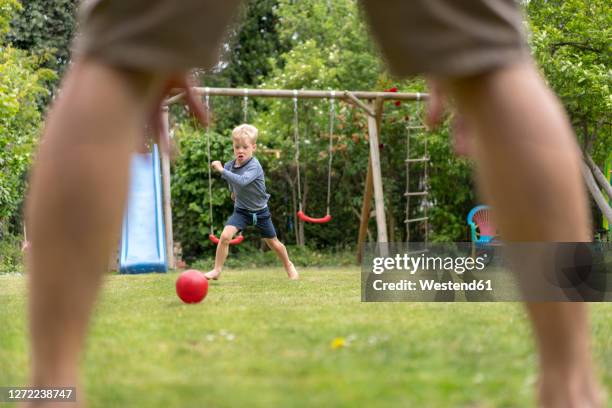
pixel 242 180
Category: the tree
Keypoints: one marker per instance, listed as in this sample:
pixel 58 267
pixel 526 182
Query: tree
pixel 45 29
pixel 571 42
pixel 250 49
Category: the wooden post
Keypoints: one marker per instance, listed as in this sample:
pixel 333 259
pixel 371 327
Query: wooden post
pixel 378 113
pixel 165 164
pixel 379 198
pixel 597 195
pixel 365 211
pixel 599 176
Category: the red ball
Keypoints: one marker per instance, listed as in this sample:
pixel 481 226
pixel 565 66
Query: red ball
pixel 191 286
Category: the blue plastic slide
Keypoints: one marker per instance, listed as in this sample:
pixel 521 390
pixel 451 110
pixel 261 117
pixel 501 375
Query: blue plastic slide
pixel 143 243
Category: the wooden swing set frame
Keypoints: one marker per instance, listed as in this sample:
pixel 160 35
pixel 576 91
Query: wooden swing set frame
pixel 369 102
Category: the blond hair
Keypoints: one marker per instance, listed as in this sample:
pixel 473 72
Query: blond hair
pixel 245 131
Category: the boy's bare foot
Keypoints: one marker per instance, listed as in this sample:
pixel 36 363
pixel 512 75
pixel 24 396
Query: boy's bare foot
pixel 292 272
pixel 214 275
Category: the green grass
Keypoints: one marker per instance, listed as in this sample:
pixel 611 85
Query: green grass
pixel 259 340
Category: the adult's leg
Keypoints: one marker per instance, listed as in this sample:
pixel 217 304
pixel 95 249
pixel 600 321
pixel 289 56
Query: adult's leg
pixel 222 250
pixel 528 168
pixel 528 163
pixel 281 251
pixel 79 184
pixel 78 192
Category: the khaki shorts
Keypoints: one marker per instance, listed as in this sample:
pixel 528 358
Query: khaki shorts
pixel 154 35
pixel 447 37
pixel 439 37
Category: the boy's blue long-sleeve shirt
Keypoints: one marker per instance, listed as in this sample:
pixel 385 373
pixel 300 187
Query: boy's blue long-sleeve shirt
pixel 248 184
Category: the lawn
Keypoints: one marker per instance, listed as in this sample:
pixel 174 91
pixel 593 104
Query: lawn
pixel 260 340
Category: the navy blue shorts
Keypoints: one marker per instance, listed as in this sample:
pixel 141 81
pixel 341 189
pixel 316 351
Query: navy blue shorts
pixel 262 220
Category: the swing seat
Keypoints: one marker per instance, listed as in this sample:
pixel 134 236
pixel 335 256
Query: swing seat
pixel 234 241
pixel 306 218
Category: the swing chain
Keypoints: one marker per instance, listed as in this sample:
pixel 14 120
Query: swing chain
pixel 210 209
pixel 332 114
pixel 296 137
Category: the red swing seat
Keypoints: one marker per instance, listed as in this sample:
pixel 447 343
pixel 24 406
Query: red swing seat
pixel 306 218
pixel 234 241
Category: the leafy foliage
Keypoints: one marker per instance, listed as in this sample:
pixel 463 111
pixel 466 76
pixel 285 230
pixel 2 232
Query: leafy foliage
pixel 7 9
pixel 21 82
pixel 11 257
pixel 571 42
pixel 255 44
pixel 252 48
pixel 45 29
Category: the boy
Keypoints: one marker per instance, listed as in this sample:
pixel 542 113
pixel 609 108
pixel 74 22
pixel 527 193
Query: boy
pixel 247 184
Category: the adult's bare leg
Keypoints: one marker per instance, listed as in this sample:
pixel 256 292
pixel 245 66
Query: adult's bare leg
pixel 78 191
pixel 528 168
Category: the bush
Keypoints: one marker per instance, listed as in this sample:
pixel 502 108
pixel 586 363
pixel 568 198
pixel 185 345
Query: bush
pixel 11 257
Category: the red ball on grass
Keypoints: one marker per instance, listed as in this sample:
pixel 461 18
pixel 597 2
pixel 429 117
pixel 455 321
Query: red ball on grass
pixel 191 286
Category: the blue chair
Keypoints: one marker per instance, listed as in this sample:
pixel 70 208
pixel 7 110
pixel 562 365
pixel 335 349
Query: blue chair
pixel 482 230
